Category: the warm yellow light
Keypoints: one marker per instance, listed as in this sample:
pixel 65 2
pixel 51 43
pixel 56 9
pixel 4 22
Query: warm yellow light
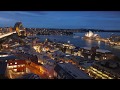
pixel 99 73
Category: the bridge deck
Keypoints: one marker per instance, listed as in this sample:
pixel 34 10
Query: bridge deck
pixel 7 34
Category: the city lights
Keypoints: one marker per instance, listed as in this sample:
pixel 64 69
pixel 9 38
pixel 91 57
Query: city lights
pixel 60 53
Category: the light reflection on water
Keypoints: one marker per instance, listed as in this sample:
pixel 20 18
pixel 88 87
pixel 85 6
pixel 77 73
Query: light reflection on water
pixel 89 43
pixel 83 43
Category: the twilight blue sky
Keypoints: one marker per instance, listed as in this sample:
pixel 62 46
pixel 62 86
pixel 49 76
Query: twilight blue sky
pixel 109 20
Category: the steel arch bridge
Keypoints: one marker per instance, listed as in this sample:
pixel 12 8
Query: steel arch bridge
pixel 20 29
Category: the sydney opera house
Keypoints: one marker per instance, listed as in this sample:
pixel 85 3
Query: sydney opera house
pixel 91 35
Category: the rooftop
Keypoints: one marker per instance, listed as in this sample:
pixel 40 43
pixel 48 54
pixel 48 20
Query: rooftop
pixel 98 50
pixel 74 71
pixel 112 66
pixel 88 48
pixel 29 76
pixel 51 61
pixel 103 51
pixel 9 57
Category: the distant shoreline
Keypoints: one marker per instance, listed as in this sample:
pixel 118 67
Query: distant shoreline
pixel 72 30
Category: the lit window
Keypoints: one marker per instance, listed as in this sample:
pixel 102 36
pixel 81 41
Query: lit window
pixel 9 67
pixel 22 65
pixel 15 70
pixel 14 66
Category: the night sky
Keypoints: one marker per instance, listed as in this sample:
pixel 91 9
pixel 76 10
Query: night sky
pixel 107 20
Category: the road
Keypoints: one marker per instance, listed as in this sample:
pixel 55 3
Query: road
pixel 42 74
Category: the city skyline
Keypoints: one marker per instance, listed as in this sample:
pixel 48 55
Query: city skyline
pixel 49 50
pixel 106 20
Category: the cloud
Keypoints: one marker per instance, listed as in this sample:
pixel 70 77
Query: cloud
pixel 26 14
pixel 2 19
pixel 68 19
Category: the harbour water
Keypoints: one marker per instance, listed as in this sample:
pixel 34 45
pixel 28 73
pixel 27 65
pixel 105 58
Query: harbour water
pixel 77 40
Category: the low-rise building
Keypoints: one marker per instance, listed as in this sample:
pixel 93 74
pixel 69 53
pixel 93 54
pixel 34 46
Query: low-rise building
pixel 17 65
pixel 50 62
pixel 107 69
pixel 29 76
pixel 98 54
pixel 69 71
